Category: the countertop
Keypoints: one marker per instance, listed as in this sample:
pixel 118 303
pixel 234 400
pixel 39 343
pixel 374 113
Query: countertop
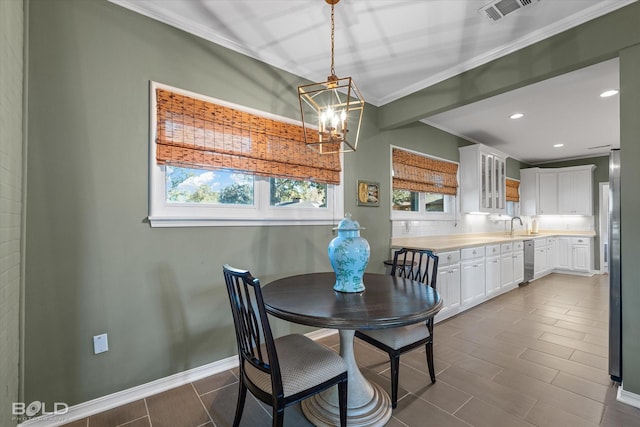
pixel 453 242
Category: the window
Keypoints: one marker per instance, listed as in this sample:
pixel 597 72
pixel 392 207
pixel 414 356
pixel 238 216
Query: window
pixel 513 197
pixel 422 187
pixel 215 163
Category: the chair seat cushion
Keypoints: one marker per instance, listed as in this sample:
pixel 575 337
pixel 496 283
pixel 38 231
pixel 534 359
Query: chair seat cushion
pixel 303 364
pixel 399 337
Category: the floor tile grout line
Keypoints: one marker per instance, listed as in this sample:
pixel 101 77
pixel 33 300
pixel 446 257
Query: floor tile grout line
pixel 146 406
pixel 133 420
pixel 193 387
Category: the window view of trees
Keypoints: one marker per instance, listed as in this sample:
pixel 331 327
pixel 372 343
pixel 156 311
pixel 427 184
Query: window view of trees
pixel 409 201
pixel 286 192
pixel 405 200
pixel 186 185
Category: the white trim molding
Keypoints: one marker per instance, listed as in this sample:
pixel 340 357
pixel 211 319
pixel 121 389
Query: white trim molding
pixel 628 397
pixel 104 403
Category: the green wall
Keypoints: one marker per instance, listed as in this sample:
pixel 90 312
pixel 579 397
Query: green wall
pixel 94 265
pixel 630 212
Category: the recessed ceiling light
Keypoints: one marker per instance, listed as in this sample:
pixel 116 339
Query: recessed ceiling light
pixel 516 116
pixel 608 93
pixel 558 145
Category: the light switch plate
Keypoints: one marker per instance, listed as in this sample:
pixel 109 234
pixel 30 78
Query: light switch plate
pixel 100 344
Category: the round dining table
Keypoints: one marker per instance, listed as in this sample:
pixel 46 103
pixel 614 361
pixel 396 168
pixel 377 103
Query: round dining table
pixel 386 302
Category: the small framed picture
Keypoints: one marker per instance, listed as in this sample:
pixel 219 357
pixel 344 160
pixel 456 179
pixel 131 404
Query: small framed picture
pixel 368 193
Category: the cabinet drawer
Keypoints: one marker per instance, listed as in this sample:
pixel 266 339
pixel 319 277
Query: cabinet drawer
pixel 506 247
pixel 580 240
pixel 538 243
pixel 518 246
pixel 492 250
pixel 447 258
pixel 470 253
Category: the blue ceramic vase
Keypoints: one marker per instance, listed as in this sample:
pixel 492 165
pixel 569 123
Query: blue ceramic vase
pixel 349 256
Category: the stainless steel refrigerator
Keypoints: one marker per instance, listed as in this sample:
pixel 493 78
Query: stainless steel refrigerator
pixel 615 300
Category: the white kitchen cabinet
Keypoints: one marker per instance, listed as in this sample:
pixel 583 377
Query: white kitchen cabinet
pixel 518 267
pixel 492 270
pixel 574 254
pixel 512 265
pixel 574 193
pixel 448 285
pixel 472 276
pixel 581 254
pixel 547 193
pixel 482 179
pixel 552 253
pixel 540 258
pixel 556 191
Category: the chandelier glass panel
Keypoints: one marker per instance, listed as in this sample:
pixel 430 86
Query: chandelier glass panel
pixel 331 111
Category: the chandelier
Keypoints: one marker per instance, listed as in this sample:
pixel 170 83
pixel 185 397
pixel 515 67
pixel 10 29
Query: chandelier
pixel 335 106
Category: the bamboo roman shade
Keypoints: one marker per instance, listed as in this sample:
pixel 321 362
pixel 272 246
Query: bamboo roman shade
pixel 414 172
pixel 193 132
pixel 513 195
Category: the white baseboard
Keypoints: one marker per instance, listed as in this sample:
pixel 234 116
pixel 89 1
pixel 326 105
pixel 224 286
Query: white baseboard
pixel 627 397
pixel 104 403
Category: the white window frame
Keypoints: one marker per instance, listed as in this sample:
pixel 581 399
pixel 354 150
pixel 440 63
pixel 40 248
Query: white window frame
pixel 163 214
pixel 450 201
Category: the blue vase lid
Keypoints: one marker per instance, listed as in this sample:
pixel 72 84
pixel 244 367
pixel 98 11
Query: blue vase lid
pixel 348 224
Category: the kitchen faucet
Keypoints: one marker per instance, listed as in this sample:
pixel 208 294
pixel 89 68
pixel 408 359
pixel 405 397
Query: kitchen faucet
pixel 519 219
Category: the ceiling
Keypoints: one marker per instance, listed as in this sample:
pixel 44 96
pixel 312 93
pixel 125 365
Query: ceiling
pixel 393 48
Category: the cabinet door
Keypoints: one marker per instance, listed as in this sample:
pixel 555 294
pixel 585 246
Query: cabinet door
pixel 552 257
pixel 443 289
pixel 580 258
pixel 454 288
pixel 499 188
pixel 471 282
pixel 540 261
pixel 566 195
pixel 582 196
pixel 564 253
pixel 506 275
pixel 548 193
pixel 492 275
pixel 518 267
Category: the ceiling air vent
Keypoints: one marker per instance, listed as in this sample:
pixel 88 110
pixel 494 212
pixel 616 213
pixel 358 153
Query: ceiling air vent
pixel 498 9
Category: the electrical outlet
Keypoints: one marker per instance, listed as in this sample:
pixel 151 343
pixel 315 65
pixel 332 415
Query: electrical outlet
pixel 100 344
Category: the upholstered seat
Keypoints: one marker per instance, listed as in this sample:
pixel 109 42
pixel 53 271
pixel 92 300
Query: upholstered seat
pixel 422 266
pixel 401 336
pixel 283 371
pixel 303 365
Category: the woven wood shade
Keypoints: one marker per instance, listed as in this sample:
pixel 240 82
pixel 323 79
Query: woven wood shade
pixel 513 195
pixel 419 173
pixel 196 133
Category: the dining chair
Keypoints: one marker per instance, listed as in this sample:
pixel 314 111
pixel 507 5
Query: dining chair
pixel 422 266
pixel 283 371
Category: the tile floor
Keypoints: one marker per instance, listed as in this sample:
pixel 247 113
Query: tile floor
pixel 535 356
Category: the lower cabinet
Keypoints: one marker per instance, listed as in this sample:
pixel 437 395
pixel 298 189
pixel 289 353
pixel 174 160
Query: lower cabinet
pixel 472 276
pixel 518 266
pixel 512 265
pixel 574 254
pixel 492 270
pixel 581 255
pixel 540 261
pixel 448 284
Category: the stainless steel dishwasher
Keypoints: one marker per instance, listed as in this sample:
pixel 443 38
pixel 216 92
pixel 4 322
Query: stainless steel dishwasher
pixel 529 254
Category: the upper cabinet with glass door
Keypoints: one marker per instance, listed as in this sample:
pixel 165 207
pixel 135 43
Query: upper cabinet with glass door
pixel 482 179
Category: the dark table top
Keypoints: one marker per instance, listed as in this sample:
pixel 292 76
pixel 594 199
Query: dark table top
pixel 387 301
